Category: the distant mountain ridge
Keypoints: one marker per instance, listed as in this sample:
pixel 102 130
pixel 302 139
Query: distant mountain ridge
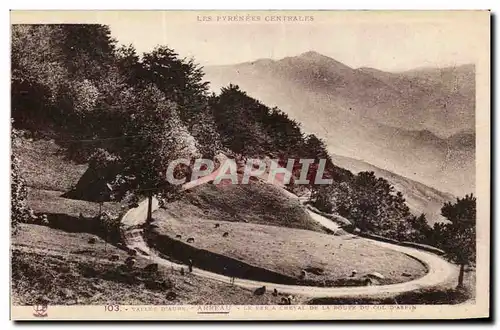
pixel 418 123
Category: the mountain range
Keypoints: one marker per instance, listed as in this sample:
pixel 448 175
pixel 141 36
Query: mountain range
pixel 418 124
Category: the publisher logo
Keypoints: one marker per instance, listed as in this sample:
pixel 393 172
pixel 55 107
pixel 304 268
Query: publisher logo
pixel 40 310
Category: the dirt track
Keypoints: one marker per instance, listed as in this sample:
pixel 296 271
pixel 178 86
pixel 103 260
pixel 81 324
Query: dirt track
pixel 439 271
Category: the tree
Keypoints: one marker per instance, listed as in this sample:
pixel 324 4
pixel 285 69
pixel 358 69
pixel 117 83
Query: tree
pixel 181 80
pixel 322 198
pixel 460 238
pixel 129 65
pixel 60 76
pixel 20 212
pixel 420 231
pixel 37 74
pixel 207 138
pixel 372 203
pixel 89 49
pixel 237 118
pixel 157 137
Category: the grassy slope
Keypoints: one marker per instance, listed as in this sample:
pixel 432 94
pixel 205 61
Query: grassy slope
pixel 257 203
pixel 50 202
pixel 44 167
pixel 263 246
pixel 48 175
pixel 65 269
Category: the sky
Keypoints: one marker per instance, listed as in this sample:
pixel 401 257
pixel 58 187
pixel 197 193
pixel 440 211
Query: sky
pixel 386 40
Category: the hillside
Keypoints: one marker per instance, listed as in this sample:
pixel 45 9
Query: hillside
pixel 64 269
pixel 44 165
pixel 256 203
pixel 389 120
pixel 325 257
pixel 441 100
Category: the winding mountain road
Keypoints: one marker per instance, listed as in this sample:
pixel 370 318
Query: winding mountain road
pixel 439 271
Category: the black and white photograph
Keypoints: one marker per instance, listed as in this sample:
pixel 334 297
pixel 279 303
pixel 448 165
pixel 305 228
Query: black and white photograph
pixel 186 165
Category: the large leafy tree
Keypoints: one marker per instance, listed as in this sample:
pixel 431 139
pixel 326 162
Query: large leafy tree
pixel 372 203
pixel 181 80
pixel 420 231
pixel 376 206
pixel 286 134
pixel 37 75
pixel 460 233
pixel 20 211
pixel 156 136
pixel 57 75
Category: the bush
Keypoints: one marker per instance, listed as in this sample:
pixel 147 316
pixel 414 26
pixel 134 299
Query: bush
pixel 109 224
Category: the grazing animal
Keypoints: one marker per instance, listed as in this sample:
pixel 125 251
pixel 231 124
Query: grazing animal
pixel 190 265
pixel 260 291
pixel 216 225
pixel 92 240
pixel 152 268
pixel 275 292
pixel 44 220
pixel 130 262
pixel 354 272
pixel 286 301
pixel 114 257
pixel 190 240
pixel 178 236
pixel 171 295
pixel 303 275
pixel 226 234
